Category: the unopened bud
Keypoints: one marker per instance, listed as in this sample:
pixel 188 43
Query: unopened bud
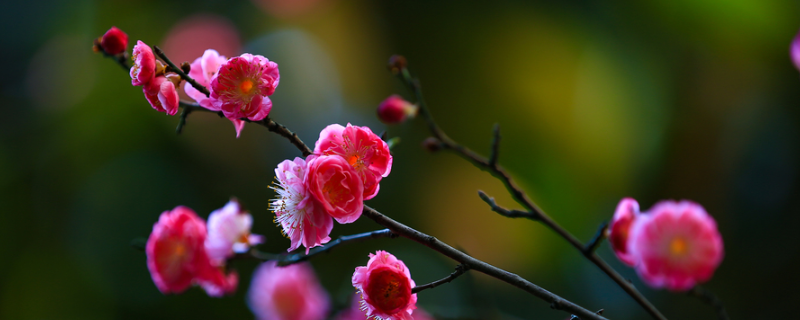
pixel 432 144
pixel 186 67
pixel 395 110
pixel 397 63
pixel 114 41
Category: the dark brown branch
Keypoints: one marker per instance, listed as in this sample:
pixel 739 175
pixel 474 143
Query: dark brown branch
pixel 708 297
pixel 556 302
pixel 179 71
pixel 300 257
pixel 506 212
pixel 519 195
pixel 574 317
pixel 121 58
pixel 590 247
pixel 460 269
pixel 495 145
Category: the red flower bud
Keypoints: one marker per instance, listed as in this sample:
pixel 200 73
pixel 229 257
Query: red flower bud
pixel 114 41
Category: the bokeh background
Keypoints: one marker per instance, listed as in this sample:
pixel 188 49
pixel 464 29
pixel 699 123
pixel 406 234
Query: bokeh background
pixel 597 100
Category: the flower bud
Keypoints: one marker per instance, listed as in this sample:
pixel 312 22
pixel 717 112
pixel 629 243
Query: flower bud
pixel 396 110
pixel 397 63
pixel 114 41
pixel 432 144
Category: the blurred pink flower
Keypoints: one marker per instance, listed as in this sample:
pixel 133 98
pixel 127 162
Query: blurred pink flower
pixel 385 286
pixel 794 51
pixel 336 187
pixel 114 41
pixel 303 221
pixel 144 64
pixel 241 87
pixel 176 256
pixel 624 216
pixel 362 149
pixel 395 110
pixel 287 293
pixel 677 245
pixel 162 96
pixel 203 69
pixel 229 233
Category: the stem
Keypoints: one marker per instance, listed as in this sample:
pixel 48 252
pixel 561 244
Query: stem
pixel 534 212
pixel 299 257
pixel 179 71
pixel 460 269
pixel 708 297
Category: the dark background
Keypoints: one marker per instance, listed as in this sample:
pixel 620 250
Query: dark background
pixel 598 100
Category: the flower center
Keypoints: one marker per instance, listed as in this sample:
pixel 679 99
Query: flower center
pixel 678 246
pixel 333 191
pixel 388 290
pixel 246 86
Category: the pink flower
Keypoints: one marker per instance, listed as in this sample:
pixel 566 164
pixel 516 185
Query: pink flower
pixel 176 256
pixel 354 312
pixel 203 69
pixel 144 64
pixel 624 216
pixel 336 187
pixel 287 293
pixel 385 285
pixel 114 41
pixel 162 96
pixel 241 87
pixel 303 220
pixel 677 245
pixel 395 110
pixel 229 233
pixel 794 51
pixel 365 151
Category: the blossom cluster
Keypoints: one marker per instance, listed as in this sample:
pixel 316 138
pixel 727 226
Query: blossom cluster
pixel 345 169
pixel 674 245
pixel 183 250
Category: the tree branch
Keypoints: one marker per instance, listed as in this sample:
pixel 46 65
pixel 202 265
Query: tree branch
pixel 590 247
pixel 179 71
pixel 534 212
pixel 299 257
pixel 460 269
pixel 709 298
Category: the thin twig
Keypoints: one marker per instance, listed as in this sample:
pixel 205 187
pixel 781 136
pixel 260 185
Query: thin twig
pixel 299 257
pixel 535 213
pixel 708 297
pixel 506 212
pixel 179 71
pixel 460 269
pixel 592 245
pixel 495 145
pixel 574 317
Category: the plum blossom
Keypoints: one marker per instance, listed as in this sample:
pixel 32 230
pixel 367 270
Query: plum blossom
pixel 176 256
pixel 626 213
pixel 362 149
pixel 336 186
pixel 114 41
pixel 354 312
pixel 287 293
pixel 385 286
pixel 203 69
pixel 794 51
pixel 161 94
pixel 304 221
pixel 229 232
pixel 144 64
pixel 241 87
pixel 395 110
pixel 677 245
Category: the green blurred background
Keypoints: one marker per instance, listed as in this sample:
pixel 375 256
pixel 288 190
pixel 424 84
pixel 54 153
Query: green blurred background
pixel 597 100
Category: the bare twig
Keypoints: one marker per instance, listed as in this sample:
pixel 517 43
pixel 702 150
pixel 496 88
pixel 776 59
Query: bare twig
pixel 495 145
pixel 708 297
pixel 574 317
pixel 590 247
pixel 535 213
pixel 460 269
pixel 506 212
pixel 299 257
pixel 179 71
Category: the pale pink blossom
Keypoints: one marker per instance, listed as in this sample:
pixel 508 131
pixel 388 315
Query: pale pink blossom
pixel 385 287
pixel 144 64
pixel 336 187
pixel 395 110
pixel 367 153
pixel 626 213
pixel 176 256
pixel 229 233
pixel 677 245
pixel 114 41
pixel 304 221
pixel 203 69
pixel 162 96
pixel 241 87
pixel 287 293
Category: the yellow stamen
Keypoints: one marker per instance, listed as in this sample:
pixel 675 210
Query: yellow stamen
pixel 677 246
pixel 246 86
